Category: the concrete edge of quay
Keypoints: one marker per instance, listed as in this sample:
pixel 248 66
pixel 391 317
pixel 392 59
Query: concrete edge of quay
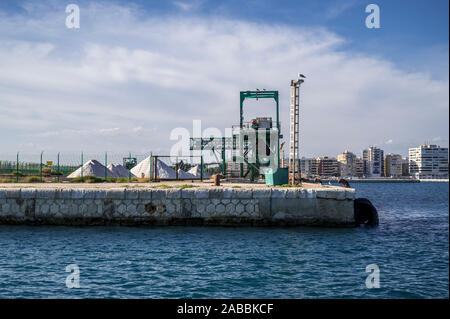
pixel 330 207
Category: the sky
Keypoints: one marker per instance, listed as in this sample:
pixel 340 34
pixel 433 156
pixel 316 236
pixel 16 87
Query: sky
pixel 137 73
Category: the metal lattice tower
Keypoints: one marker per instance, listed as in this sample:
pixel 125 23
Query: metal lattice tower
pixel 294 164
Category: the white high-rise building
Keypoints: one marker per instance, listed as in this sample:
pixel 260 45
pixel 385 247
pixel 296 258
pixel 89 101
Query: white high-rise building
pixel 373 158
pixel 428 161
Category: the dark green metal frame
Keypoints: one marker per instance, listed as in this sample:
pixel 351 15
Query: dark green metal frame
pixel 260 95
pixel 204 142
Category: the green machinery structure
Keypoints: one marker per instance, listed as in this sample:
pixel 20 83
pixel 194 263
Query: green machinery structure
pixel 245 146
pixel 254 168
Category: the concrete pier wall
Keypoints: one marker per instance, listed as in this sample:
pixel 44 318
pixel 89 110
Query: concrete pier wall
pixel 202 206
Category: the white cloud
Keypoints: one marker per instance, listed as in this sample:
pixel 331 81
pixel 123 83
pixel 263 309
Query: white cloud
pixel 109 131
pixel 182 5
pixel 188 5
pixel 123 70
pixel 336 9
pixel 389 141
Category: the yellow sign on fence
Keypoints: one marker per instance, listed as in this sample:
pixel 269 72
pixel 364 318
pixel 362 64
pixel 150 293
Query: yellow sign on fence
pixel 49 163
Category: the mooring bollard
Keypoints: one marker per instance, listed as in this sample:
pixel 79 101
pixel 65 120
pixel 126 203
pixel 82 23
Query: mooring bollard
pixel 216 179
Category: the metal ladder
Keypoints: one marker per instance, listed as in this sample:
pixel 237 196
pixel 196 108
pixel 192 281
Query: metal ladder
pixel 294 169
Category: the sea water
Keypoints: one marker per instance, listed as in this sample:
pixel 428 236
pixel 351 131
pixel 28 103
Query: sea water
pixel 410 249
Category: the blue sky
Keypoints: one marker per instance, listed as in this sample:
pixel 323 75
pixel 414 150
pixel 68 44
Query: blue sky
pixel 387 86
pixel 408 28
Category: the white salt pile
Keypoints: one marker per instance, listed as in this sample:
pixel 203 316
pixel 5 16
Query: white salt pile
pixel 196 171
pixel 119 171
pixel 92 168
pixel 182 174
pixel 163 170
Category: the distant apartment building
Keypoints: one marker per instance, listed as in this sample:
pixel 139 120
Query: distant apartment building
pixel 308 166
pixel 359 167
pixel 405 167
pixel 327 166
pixel 393 165
pixel 373 162
pixel 350 165
pixel 346 161
pixel 428 161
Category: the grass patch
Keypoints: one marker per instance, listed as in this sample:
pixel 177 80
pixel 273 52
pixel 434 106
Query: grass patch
pixel 126 180
pixel 133 186
pixel 187 186
pixel 236 187
pixel 94 179
pixel 164 186
pixel 289 185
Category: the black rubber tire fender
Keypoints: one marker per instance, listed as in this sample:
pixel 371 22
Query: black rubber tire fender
pixel 365 212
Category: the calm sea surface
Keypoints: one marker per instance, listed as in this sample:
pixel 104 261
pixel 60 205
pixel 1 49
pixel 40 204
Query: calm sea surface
pixel 410 248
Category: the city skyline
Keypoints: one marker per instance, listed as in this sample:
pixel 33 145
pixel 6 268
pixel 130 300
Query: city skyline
pixel 423 162
pixel 360 152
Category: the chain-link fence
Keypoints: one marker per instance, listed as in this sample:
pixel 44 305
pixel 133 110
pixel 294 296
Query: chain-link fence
pixel 102 167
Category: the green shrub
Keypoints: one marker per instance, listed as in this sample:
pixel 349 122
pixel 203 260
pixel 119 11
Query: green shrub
pixel 236 187
pixel 126 180
pixel 94 179
pixel 7 180
pixel 32 179
pixel 76 180
pixel 87 179
pixel 47 171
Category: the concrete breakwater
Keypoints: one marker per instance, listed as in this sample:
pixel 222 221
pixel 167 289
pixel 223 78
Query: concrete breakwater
pixel 204 206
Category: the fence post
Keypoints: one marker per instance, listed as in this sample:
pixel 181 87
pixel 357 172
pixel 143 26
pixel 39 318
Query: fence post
pixel 82 177
pixel 151 168
pixel 201 168
pixel 17 168
pixel 129 167
pixel 40 168
pixel 223 157
pixel 176 168
pixel 156 168
pixel 106 164
pixel 58 172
